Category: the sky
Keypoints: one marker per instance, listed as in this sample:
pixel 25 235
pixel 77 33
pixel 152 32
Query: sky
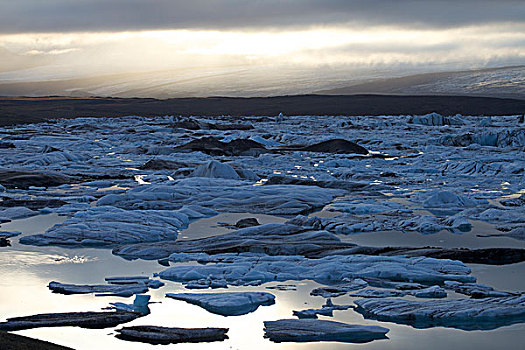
pixel 62 39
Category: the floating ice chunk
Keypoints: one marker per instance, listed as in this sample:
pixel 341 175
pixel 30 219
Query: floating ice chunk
pixel 434 119
pixel 69 319
pixel 485 122
pixel 332 269
pixel 447 199
pixel 378 293
pixel 205 283
pixel 265 142
pixel 129 280
pixel 430 292
pixel 351 224
pixel 283 287
pixel 215 169
pixel 110 226
pixel 326 310
pixel 516 233
pixel 470 168
pixel 7 234
pixel 458 222
pixel 514 202
pixel 339 289
pixel 197 212
pixel 15 213
pixel 171 335
pixel 423 223
pixel 140 305
pixel 307 330
pixel 273 239
pixel 69 208
pixel 225 195
pixel 247 174
pixel 380 283
pixel 126 290
pixel 466 314
pixel 504 138
pixel 508 215
pixel 362 209
pixel 185 257
pixel 99 183
pixel 227 304
pixel 476 290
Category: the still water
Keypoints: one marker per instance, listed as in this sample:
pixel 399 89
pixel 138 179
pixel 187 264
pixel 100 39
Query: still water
pixel 27 270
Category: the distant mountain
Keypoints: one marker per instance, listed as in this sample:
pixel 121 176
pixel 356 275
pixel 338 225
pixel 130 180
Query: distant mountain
pixel 242 81
pixel 492 82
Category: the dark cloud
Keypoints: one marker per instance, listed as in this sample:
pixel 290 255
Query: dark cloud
pixel 22 16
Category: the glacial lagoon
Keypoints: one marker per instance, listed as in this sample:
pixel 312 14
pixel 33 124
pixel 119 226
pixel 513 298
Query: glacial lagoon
pixel 101 197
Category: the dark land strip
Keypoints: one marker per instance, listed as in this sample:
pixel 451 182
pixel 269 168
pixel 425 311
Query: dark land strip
pixel 15 110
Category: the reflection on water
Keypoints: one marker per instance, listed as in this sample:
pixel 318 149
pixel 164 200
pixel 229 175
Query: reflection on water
pixel 202 228
pixel 26 271
pixel 443 238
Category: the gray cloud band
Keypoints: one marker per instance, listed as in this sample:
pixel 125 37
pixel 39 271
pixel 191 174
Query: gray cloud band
pixel 24 16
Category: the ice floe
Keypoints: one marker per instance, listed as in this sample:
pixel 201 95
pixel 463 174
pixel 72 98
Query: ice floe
pixel 249 269
pixel 435 119
pixel 378 293
pixel 171 335
pixel 273 239
pixel 123 287
pixel 339 289
pixel 225 195
pixel 227 304
pixel 69 319
pixel 326 310
pixel 308 330
pixel 106 225
pixel 476 290
pixel 467 314
pixel 140 305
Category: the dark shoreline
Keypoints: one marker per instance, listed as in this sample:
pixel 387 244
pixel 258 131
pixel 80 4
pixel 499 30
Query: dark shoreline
pixel 15 110
pixel 9 341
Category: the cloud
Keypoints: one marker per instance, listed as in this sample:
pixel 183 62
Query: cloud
pixel 104 53
pixel 32 16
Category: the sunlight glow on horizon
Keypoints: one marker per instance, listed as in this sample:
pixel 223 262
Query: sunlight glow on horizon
pixel 70 55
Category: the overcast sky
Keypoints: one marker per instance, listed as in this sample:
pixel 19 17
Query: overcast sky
pixel 107 36
pixel 22 16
